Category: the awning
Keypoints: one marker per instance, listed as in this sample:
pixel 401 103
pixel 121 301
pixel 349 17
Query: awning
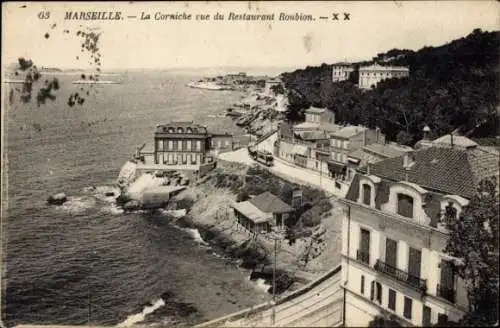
pixel 353 160
pixel 337 168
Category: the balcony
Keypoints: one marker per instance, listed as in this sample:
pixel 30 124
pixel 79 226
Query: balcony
pixel 446 293
pixel 402 276
pixel 363 256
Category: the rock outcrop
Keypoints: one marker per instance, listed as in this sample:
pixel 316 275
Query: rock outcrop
pixel 57 199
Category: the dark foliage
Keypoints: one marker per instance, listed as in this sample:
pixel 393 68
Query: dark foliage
pixel 474 238
pixel 454 86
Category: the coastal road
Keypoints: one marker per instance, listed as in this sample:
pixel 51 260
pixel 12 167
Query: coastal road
pixel 287 171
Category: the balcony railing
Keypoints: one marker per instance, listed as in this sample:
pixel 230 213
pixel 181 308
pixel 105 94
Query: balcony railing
pixel 446 293
pixel 363 256
pixel 400 275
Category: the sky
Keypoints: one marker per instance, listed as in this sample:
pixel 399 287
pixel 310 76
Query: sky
pixel 132 43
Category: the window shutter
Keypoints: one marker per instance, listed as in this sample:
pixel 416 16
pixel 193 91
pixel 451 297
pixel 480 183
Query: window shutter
pixel 379 292
pixel 372 290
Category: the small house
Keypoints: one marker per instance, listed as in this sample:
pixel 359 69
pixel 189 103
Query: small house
pixel 262 213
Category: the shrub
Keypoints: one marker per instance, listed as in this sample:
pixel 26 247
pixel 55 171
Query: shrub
pixel 185 203
pixel 242 196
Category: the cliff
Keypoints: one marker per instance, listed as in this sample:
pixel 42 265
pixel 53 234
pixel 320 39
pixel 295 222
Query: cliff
pixel 314 231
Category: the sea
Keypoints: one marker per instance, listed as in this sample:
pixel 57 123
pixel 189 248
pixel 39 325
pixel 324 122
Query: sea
pixel 87 262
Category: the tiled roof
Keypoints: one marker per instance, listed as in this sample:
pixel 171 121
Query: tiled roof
pixel 185 126
pixel 251 211
pixel 377 67
pixel 459 141
pixel 449 170
pixel 387 150
pixel 306 125
pixel 348 132
pixel 358 153
pixel 269 203
pixel 342 64
pixel 312 135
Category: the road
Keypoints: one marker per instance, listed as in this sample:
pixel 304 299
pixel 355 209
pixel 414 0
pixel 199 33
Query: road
pixel 288 171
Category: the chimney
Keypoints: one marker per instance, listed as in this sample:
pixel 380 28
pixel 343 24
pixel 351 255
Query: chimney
pixel 426 131
pixel 408 159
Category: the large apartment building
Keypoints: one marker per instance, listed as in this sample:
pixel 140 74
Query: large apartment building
pixel 371 75
pixel 393 238
pixel 341 71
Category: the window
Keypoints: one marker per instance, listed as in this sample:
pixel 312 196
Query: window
pixel 180 130
pixel 392 299
pixel 188 145
pixel 407 308
pixel 184 145
pixel 198 145
pixel 367 194
pixel 426 316
pixel 378 292
pixel 414 260
pixel 170 145
pixel 391 253
pixel 189 130
pixel 372 290
pixel 405 205
pixel 442 319
pixel 364 246
pixel 446 287
pixel 362 284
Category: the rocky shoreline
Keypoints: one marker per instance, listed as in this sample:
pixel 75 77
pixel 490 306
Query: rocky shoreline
pixel 259 111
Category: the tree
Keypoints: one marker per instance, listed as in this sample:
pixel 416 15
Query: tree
pixel 474 238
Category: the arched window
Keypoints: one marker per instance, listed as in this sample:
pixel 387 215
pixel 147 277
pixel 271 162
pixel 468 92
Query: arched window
pixel 195 131
pixel 367 194
pixel 405 205
pixel 189 130
pixel 180 130
pixel 164 129
pixel 171 130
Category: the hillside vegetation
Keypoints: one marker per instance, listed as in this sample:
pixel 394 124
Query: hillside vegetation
pixel 451 87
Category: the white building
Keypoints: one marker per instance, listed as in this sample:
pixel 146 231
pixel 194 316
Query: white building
pixel 393 265
pixel 371 75
pixel 341 71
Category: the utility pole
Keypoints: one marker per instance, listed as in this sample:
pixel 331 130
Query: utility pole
pixel 274 279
